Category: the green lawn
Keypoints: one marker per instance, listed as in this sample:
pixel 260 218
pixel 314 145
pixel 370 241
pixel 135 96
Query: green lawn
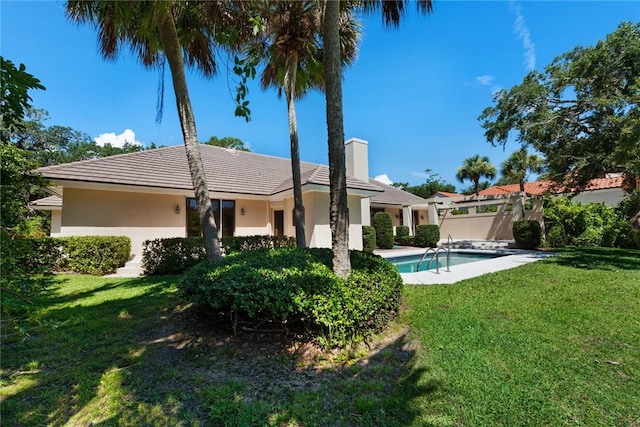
pixel 555 342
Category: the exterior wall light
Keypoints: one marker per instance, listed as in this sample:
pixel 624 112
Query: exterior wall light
pixel 177 209
pixel 242 211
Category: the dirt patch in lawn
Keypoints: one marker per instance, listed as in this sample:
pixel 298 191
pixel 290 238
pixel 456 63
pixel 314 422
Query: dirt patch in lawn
pixel 192 350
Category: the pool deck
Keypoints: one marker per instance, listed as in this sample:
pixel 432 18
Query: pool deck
pixel 512 259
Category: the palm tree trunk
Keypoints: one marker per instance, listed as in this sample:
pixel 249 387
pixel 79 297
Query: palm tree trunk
pixel 289 89
pixel 339 212
pixel 171 48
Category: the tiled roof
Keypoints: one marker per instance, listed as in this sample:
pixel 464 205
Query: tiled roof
pixel 537 188
pixel 228 171
pixel 394 196
pixel 447 194
pixel 51 201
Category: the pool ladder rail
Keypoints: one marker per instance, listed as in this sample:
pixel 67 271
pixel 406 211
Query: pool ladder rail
pixel 436 252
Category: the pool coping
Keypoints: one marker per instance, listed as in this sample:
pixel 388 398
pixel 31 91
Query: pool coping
pixel 513 258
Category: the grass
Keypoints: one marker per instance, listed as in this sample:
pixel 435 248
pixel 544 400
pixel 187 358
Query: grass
pixel 555 342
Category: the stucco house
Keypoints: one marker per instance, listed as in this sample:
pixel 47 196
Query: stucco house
pixel 149 194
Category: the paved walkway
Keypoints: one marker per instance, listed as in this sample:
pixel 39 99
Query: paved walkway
pixel 515 258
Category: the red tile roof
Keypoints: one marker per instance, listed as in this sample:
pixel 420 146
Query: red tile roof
pixel 538 188
pixel 447 194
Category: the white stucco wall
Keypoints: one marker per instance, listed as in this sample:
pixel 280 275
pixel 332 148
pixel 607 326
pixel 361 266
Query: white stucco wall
pixel 139 216
pixel 321 234
pixel 609 196
pixel 255 219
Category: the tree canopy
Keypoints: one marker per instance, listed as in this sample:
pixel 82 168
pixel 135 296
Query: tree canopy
pixel 15 100
pixel 431 186
pixel 581 112
pixel 227 142
pixel 473 169
pixel 516 169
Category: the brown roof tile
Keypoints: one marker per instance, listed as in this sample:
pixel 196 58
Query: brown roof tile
pixel 394 196
pixel 227 170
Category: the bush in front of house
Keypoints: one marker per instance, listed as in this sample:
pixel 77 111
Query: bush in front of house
pixel 527 234
pixel 97 255
pixel 427 235
pixel 383 223
pixel 402 231
pixel 172 255
pixel 25 270
pixel 250 243
pixel 175 255
pixel 368 238
pixel 296 288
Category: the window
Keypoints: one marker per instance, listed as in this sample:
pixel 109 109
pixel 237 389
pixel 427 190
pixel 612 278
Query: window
pixel 225 218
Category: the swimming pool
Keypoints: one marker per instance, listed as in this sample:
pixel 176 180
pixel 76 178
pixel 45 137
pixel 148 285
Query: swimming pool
pixel 409 263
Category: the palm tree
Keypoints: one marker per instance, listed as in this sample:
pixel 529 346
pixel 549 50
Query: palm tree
pixel 158 31
pixel 292 52
pixel 392 11
pixel 519 164
pixel 473 169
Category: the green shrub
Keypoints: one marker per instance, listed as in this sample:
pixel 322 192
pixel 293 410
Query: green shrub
pixel 250 243
pixel 171 255
pixel 297 287
pixel 527 234
pixel 402 231
pixel 405 240
pixel 176 255
pixel 592 224
pixel 383 223
pixel 25 270
pixel 368 238
pixel 97 255
pixel 427 235
pixel 556 237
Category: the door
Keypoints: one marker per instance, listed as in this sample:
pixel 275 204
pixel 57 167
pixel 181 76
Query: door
pixel 278 223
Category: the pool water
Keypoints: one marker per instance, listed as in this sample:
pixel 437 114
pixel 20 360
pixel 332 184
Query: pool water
pixel 409 263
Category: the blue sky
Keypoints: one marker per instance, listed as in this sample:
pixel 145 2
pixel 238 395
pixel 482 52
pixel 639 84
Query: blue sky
pixel 414 93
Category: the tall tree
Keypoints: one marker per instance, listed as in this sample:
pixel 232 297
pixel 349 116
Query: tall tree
pixel 180 33
pixel 581 113
pixel 392 11
pixel 18 179
pixel 517 167
pixel 292 52
pixel 473 169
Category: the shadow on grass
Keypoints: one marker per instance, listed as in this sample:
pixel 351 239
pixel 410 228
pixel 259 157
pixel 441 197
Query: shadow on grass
pixel 596 258
pixel 139 357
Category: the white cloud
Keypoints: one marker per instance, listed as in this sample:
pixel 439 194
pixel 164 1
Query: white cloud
pixel 117 140
pixel 485 80
pixel 522 31
pixel 383 179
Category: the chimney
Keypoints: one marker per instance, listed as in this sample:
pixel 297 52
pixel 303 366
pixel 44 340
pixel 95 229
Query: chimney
pixel 357 158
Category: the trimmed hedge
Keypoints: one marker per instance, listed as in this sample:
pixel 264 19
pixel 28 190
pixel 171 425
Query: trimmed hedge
pixel 368 238
pixel 383 223
pixel 297 287
pixel 527 234
pixel 97 255
pixel 171 255
pixel 402 230
pixel 177 254
pixel 250 243
pixel 427 235
pixel 405 240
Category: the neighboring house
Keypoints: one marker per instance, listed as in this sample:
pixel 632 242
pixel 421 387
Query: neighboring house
pixel 149 194
pixel 608 190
